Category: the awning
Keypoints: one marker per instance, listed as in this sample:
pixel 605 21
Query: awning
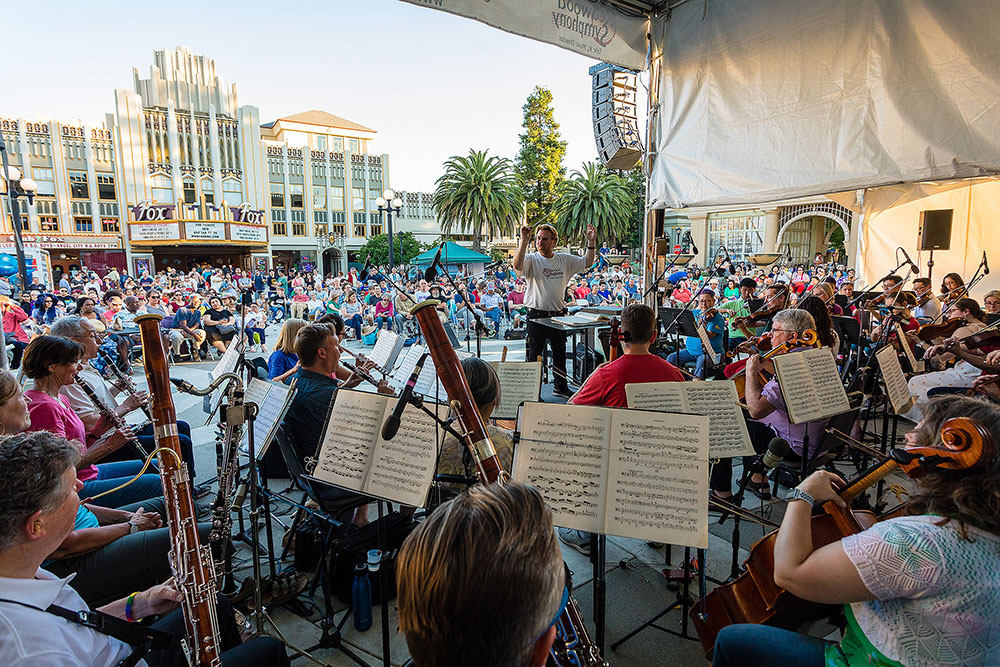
pixel 452 253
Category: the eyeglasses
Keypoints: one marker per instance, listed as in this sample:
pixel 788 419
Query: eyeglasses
pixel 776 330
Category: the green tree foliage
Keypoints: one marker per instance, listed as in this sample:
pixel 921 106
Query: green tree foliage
pixel 478 192
pixel 595 197
pixel 636 184
pixel 404 248
pixel 540 167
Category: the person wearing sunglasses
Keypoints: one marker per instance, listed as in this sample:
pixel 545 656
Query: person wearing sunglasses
pixel 491 600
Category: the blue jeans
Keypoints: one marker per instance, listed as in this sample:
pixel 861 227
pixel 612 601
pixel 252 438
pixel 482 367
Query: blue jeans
pixel 111 475
pixel 383 322
pixel 494 315
pixel 749 645
pixel 684 357
pixel 354 321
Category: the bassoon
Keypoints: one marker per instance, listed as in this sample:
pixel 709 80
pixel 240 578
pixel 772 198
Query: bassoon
pixel 191 564
pixel 573 646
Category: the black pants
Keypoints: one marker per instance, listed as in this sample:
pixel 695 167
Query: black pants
pixel 16 353
pixel 261 651
pixel 538 336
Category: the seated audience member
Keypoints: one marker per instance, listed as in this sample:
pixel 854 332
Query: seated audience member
pixel 283 362
pixel 38 502
pixel 13 332
pixel 220 325
pixel 481 582
pixel 187 325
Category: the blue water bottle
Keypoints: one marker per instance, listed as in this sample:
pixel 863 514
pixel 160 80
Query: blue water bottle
pixel 362 598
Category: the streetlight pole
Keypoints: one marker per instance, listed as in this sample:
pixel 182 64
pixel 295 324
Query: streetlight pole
pixel 27 187
pixel 389 203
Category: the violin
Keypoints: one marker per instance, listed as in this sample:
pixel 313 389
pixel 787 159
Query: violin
pixel 753 597
pixel 929 332
pixel 809 338
pixel 756 344
pixel 707 316
pixel 987 336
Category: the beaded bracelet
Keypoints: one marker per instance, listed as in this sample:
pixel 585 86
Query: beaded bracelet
pixel 128 608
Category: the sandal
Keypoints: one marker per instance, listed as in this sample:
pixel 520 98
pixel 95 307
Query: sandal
pixel 761 489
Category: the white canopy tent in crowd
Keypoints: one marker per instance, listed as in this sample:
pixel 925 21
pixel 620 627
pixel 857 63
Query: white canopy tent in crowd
pixel 894 104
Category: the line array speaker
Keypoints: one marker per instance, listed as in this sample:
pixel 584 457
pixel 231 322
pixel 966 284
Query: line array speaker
pixel 616 130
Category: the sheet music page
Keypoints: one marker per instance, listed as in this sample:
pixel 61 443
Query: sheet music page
pixel 810 384
pixel 256 392
pixel 402 372
pixel 917 366
pixel 402 468
pixel 520 381
pixel 270 412
pixel 563 452
pixel 706 344
pixel 658 477
pixel 895 381
pixel 227 363
pixel 428 384
pixel 346 451
pixel 387 348
pixel 727 435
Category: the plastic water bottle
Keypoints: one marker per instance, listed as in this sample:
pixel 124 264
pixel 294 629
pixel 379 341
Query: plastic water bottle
pixel 362 598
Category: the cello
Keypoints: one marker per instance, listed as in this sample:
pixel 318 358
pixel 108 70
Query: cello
pixel 753 597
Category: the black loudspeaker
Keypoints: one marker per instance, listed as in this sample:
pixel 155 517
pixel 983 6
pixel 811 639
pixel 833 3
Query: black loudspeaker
pixel 616 131
pixel 935 229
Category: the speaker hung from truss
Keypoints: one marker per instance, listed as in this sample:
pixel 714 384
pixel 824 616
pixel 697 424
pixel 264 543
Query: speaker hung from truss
pixel 616 129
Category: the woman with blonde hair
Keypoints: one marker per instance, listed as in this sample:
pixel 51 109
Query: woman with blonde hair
pixel 283 362
pixel 14 416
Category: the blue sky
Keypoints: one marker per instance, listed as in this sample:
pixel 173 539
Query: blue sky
pixel 432 84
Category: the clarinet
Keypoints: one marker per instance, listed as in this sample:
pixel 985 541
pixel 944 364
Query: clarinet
pixel 124 380
pixel 192 565
pixel 573 646
pixel 110 415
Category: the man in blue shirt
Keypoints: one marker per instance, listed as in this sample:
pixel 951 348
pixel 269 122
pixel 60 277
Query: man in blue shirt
pixel 187 324
pixel 714 327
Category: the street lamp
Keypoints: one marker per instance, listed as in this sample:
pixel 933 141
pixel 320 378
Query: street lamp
pixel 389 203
pixel 17 186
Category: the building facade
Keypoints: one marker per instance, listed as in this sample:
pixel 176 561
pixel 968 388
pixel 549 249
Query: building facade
pixel 182 174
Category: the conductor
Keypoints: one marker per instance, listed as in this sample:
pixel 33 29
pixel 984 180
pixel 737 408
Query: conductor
pixel 546 273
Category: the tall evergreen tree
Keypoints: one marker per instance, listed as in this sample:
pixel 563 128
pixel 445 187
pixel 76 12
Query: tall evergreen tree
pixel 539 162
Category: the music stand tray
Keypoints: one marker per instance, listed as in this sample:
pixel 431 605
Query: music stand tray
pixel 678 321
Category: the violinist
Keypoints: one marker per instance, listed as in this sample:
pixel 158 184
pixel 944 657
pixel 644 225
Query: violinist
pixel 962 374
pixel 928 306
pixel 714 324
pixel 824 292
pixel 918 590
pixel 847 289
pixel 899 307
pixel 991 304
pixel 738 307
pixel 952 286
pixel 828 336
pixel 768 416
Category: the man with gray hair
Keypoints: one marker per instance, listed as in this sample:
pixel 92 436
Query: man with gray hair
pixel 481 582
pixel 39 612
pixel 768 417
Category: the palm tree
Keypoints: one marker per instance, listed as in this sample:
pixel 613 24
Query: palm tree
pixel 595 197
pixel 478 192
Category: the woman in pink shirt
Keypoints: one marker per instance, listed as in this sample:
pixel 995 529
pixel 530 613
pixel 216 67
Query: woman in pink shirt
pixel 53 363
pixel 13 315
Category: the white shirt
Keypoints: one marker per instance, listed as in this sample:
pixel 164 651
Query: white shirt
pixel 547 277
pixel 81 403
pixel 36 638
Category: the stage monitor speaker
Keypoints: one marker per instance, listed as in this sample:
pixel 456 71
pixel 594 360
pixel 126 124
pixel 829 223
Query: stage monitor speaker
pixel 616 130
pixel 935 229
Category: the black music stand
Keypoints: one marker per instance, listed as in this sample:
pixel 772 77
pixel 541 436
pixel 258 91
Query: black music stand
pixel 680 322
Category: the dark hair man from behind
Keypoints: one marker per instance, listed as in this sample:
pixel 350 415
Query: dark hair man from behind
pixel 481 581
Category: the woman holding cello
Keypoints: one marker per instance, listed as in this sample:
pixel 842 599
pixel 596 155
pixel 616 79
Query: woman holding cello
pixel 920 589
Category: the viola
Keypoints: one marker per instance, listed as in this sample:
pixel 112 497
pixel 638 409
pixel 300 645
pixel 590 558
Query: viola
pixel 929 332
pixel 809 338
pixel 753 597
pixel 707 316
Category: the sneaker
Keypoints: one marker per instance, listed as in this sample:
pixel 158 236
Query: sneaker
pixel 562 391
pixel 576 539
pixel 200 491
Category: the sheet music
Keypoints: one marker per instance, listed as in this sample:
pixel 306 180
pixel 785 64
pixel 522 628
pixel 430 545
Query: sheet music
pixel 895 381
pixel 227 364
pixel 706 344
pixel 346 450
pixel 563 453
pixel 520 381
pixel 387 348
pixel 658 477
pixel 402 372
pixel 810 384
pixel 917 366
pixel 402 469
pixel 727 435
pixel 272 400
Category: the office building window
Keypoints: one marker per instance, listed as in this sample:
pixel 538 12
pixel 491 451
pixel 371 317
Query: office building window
pixel 321 143
pixel 295 195
pixel 278 195
pixel 232 192
pixel 84 225
pixel 109 226
pixel 340 230
pixel 741 233
pixel 279 229
pixel 48 223
pixel 189 194
pixel 376 230
pixel 78 185
pixel 163 189
pixel 358 199
pixel 45 180
pixel 319 196
pixel 106 187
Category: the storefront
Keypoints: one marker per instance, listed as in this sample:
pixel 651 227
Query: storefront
pixel 69 254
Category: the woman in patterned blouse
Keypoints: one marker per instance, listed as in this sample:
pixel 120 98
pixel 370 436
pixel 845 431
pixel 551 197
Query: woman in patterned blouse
pixel 922 589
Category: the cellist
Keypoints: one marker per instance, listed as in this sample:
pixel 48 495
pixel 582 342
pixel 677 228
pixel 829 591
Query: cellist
pixel 918 590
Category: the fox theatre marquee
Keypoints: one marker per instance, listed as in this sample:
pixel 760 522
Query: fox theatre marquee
pixel 184 236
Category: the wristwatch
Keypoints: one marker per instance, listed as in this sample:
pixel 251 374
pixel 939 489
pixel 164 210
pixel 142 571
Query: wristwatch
pixel 132 527
pixel 799 494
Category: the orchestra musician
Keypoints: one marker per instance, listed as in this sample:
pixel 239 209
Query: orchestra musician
pixel 920 589
pixel 481 582
pixel 606 385
pixel 991 303
pixel 952 287
pixel 738 307
pixel 547 273
pixel 928 306
pixel 38 502
pixel 714 324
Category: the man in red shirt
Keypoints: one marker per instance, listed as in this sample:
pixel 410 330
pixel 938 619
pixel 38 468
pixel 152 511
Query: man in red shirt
pixel 606 385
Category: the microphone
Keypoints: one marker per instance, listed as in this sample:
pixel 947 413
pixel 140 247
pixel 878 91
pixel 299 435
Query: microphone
pixel 391 425
pixel 240 497
pixel 430 273
pixel 776 451
pixel 913 267
pixel 986 267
